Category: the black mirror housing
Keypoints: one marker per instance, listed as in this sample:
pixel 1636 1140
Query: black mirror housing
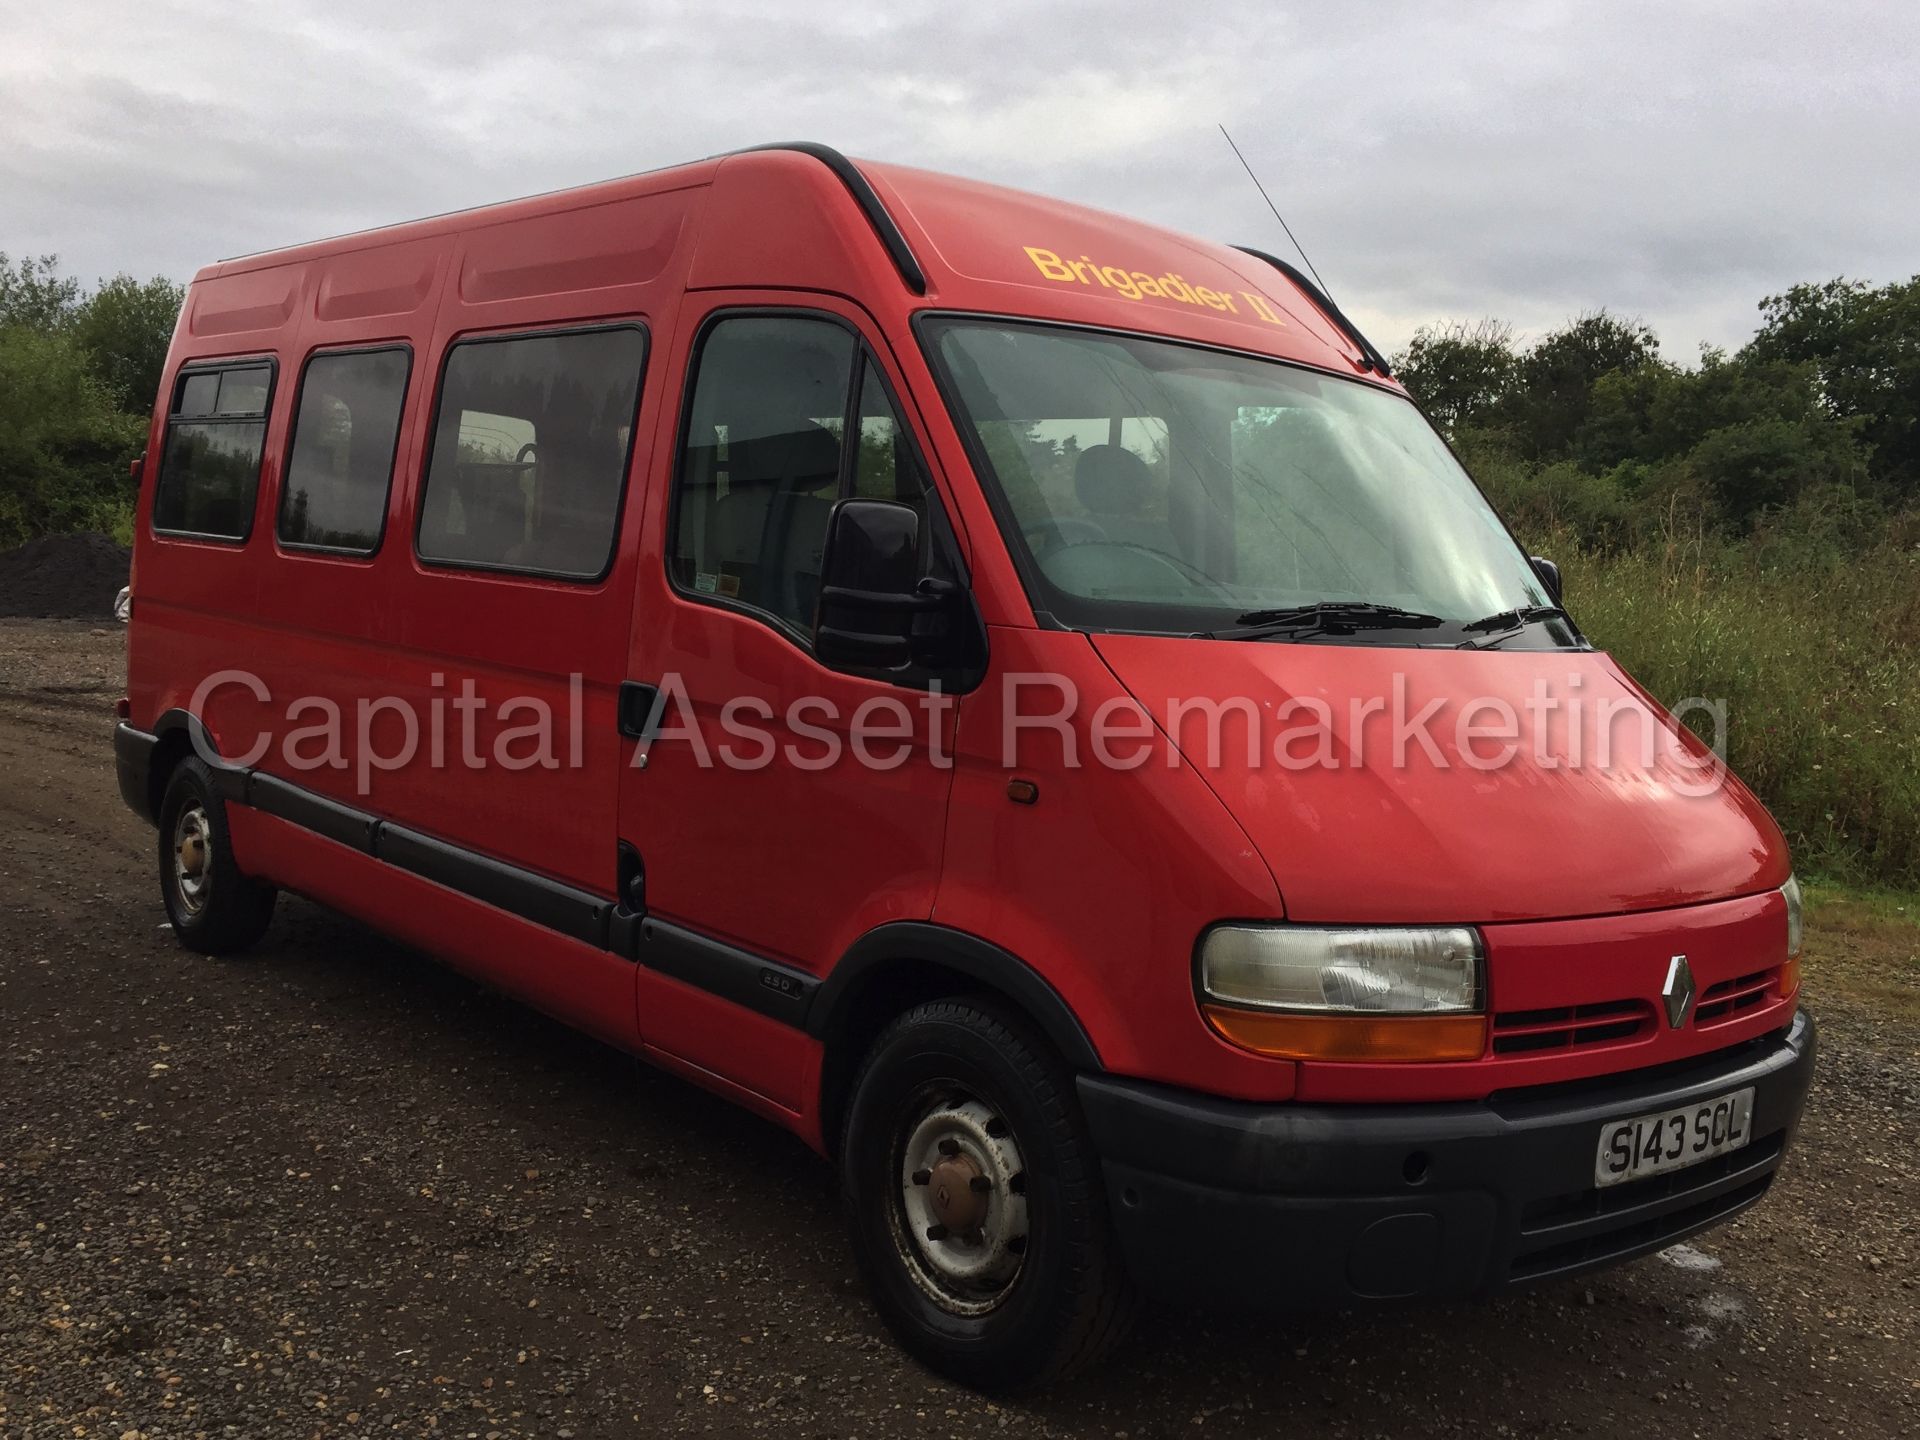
pixel 1549 574
pixel 870 585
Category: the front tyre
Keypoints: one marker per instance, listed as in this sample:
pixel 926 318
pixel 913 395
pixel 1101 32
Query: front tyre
pixel 215 909
pixel 975 1201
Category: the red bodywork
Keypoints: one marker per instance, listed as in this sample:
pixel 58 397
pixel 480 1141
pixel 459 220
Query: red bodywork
pixel 1583 885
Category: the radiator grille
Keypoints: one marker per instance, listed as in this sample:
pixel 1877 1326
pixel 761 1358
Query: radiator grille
pixel 1571 1027
pixel 1725 999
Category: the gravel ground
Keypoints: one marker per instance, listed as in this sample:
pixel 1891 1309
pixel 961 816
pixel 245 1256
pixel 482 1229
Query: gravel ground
pixel 336 1190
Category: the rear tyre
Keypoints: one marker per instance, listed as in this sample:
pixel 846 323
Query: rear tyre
pixel 214 908
pixel 975 1201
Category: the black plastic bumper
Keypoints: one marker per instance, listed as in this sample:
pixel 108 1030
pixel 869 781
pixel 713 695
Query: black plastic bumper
pixel 1321 1206
pixel 133 761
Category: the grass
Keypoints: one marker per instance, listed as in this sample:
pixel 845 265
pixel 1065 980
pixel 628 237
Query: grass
pixel 1863 945
pixel 1814 653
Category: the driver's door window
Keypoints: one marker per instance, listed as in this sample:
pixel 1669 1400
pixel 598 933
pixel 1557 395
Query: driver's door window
pixel 765 460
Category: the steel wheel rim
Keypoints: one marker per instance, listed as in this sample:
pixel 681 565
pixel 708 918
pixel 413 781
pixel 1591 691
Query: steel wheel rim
pixel 959 1208
pixel 192 857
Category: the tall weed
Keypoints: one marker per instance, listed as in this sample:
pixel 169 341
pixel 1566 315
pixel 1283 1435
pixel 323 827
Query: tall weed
pixel 1814 647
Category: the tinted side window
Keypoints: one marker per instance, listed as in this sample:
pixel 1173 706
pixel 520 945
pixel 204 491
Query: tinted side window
pixel 761 469
pixel 529 451
pixel 210 469
pixel 334 494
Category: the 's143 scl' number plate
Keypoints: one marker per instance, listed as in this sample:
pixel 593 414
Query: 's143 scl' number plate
pixel 1652 1144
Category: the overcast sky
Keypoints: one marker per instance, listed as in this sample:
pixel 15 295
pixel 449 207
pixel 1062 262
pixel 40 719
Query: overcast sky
pixel 1527 160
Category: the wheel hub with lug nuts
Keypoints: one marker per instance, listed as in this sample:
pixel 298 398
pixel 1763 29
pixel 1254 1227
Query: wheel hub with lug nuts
pixel 192 856
pixel 962 1221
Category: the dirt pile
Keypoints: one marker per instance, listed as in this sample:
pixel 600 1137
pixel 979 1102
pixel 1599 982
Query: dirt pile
pixel 63 577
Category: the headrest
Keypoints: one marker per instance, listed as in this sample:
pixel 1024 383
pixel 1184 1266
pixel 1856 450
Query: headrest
pixel 805 458
pixel 1112 480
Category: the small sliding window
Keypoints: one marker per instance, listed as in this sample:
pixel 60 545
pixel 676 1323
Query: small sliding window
pixel 216 431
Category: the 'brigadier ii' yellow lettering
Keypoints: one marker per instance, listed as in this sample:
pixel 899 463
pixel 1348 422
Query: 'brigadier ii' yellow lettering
pixel 1139 285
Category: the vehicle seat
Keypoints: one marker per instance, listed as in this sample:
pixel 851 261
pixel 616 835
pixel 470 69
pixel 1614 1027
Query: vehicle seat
pixel 771 525
pixel 1118 491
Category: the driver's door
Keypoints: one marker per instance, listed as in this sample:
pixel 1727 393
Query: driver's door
pixel 769 839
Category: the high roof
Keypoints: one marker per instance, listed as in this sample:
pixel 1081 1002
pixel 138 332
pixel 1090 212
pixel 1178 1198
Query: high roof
pixel 803 216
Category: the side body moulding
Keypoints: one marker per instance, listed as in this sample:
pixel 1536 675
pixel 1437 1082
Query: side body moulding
pixel 767 987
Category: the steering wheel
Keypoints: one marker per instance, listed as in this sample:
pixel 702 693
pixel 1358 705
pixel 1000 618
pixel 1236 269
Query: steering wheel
pixel 1164 559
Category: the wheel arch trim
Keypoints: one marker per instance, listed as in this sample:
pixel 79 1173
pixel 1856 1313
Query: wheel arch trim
pixel 907 943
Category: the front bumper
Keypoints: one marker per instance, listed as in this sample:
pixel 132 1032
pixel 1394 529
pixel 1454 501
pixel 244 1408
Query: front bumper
pixel 1322 1206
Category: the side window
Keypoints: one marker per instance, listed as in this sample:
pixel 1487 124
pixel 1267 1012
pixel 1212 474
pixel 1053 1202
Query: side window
pixel 530 450
pixel 761 466
pixel 764 459
pixel 334 493
pixel 210 469
pixel 887 467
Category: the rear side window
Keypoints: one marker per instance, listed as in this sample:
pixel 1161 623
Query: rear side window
pixel 764 460
pixel 210 470
pixel 334 495
pixel 530 447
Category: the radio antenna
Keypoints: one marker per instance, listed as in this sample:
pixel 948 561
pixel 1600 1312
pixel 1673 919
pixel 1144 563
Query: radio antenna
pixel 1276 213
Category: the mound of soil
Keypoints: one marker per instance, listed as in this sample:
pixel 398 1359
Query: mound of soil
pixel 63 577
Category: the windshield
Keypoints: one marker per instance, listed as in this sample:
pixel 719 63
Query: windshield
pixel 1155 486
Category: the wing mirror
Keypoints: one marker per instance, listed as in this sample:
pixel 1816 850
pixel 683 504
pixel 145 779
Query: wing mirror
pixel 877 610
pixel 1549 574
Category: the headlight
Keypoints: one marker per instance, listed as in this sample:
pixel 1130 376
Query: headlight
pixel 1790 972
pixel 1346 992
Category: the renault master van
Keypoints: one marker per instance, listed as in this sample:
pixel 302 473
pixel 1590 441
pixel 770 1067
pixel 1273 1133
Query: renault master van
pixel 1019 697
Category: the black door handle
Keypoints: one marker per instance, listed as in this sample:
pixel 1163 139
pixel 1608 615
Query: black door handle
pixel 639 709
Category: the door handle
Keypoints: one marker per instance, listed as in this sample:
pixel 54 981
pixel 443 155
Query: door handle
pixel 639 709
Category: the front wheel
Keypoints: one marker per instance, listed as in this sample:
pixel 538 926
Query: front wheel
pixel 978 1218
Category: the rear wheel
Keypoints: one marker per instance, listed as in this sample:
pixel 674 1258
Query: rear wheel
pixel 974 1196
pixel 215 909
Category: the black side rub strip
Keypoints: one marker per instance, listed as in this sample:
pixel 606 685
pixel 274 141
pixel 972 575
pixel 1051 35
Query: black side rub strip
pixel 273 796
pixel 574 913
pixel 779 991
pixel 869 202
pixel 1372 358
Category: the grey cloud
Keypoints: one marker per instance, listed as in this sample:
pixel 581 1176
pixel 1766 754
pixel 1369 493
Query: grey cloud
pixel 1673 161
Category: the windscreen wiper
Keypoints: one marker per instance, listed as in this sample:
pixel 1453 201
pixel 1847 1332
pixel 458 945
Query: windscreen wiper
pixel 1331 617
pixel 1512 622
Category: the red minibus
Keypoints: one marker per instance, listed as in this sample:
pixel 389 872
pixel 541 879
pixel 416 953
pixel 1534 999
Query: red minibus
pixel 1019 697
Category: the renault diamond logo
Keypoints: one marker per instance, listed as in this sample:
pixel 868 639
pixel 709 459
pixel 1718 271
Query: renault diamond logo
pixel 1678 991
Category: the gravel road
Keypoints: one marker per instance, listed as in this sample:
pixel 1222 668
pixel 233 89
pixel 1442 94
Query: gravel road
pixel 335 1190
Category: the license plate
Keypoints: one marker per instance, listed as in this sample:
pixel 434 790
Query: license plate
pixel 1673 1139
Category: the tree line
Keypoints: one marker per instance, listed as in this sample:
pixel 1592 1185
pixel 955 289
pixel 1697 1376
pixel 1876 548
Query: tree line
pixel 79 369
pixel 1590 432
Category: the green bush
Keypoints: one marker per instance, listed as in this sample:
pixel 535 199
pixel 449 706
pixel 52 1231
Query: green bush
pixel 64 445
pixel 78 372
